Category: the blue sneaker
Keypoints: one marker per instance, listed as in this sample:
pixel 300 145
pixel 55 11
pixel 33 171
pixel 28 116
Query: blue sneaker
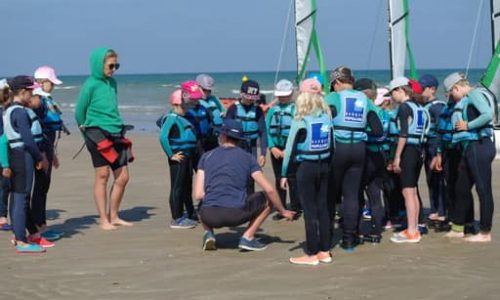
pixel 5 227
pixel 367 213
pixel 51 235
pixel 422 228
pixel 182 223
pixel 29 248
pixel 209 241
pixel 251 245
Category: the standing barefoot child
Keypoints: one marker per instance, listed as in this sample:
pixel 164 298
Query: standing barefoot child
pixel 310 144
pixel 98 117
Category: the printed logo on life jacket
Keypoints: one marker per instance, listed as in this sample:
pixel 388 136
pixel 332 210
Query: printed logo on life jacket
pixel 420 122
pixel 320 137
pixel 354 110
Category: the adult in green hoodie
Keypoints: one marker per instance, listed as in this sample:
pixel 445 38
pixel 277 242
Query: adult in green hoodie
pixel 98 117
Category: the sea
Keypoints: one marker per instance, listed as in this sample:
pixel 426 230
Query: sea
pixel 143 98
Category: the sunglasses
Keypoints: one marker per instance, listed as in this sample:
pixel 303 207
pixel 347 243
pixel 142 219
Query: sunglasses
pixel 114 66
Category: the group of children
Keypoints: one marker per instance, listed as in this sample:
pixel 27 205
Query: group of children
pixel 329 151
pixel 30 127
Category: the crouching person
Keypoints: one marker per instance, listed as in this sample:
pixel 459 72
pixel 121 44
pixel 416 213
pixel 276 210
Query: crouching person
pixel 220 185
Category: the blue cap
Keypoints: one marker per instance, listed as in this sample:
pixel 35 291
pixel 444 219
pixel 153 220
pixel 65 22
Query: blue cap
pixel 232 128
pixel 428 80
pixel 317 76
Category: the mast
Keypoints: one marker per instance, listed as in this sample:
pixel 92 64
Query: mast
pixel 390 38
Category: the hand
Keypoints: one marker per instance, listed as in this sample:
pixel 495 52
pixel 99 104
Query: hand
pixel 178 157
pixel 7 172
pixel 396 168
pixel 261 160
pixel 284 183
pixel 436 163
pixel 44 164
pixel 461 126
pixel 288 214
pixel 55 161
pixel 277 153
pixel 390 166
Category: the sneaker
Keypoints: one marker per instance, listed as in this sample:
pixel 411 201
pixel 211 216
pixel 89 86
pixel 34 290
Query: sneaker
pixel 251 245
pixel 422 228
pixel 298 214
pixel 209 241
pixel 324 257
pixel 367 214
pixel 40 241
pixel 5 227
pixel 182 223
pixel 51 235
pixel 277 217
pixel 29 248
pixel 388 225
pixel 406 237
pixel 373 238
pixel 305 260
pixel 348 244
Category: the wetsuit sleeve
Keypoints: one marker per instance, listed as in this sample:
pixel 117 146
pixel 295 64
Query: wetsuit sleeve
pixel 262 131
pixel 4 152
pixel 482 106
pixel 231 112
pixel 435 112
pixel 219 104
pixel 291 145
pixel 82 105
pixel 377 129
pixel 164 134
pixel 21 123
pixel 403 117
pixel 269 115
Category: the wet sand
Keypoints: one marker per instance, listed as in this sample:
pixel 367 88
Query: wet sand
pixel 151 261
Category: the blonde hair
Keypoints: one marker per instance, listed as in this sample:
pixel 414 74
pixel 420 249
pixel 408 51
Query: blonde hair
pixel 308 103
pixel 5 95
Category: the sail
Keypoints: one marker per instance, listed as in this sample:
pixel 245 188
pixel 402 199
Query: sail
pixel 495 22
pixel 399 39
pixel 306 37
pixel 491 78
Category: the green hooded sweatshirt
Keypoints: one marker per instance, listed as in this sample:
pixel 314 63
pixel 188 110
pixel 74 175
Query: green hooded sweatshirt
pixel 97 104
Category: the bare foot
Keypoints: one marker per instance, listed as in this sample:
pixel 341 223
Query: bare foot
pixel 120 222
pixel 107 226
pixel 479 238
pixel 454 234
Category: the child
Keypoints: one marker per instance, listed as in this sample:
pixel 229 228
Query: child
pixel 23 156
pixel 52 125
pixel 310 145
pixel 98 117
pixel 178 140
pixel 278 122
pixel 4 160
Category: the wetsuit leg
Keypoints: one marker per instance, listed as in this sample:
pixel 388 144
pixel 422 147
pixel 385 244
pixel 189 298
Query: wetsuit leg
pixel 22 180
pixel 179 173
pixel 4 195
pixel 276 164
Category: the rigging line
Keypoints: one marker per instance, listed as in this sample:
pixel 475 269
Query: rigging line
pixel 372 44
pixel 473 42
pixel 285 31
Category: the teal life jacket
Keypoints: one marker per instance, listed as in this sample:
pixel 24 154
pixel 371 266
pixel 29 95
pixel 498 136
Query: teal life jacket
pixel 445 127
pixel 248 121
pixel 393 125
pixel 211 104
pixel 318 142
pixel 281 121
pixel 433 125
pixel 187 137
pixel 419 125
pixel 14 138
pixel 381 141
pixel 460 112
pixel 52 120
pixel 350 122
pixel 199 118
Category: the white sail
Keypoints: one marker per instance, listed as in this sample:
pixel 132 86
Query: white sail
pixel 495 21
pixel 399 40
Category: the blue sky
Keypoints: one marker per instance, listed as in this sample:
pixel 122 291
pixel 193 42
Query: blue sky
pixel 172 36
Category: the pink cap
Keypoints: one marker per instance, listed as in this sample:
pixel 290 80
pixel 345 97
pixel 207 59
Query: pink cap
pixel 192 89
pixel 311 85
pixel 381 96
pixel 176 97
pixel 46 72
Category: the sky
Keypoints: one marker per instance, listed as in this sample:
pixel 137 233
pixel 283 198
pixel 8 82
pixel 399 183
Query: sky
pixel 180 36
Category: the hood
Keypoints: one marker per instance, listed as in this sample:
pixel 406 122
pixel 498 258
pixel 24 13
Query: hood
pixel 97 62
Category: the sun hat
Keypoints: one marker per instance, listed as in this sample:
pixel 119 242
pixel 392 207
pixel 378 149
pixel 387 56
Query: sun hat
pixel 46 72
pixel 452 79
pixel 22 82
pixel 318 76
pixel 250 89
pixel 283 88
pixel 175 97
pixel 192 89
pixel 3 84
pixel 397 82
pixel 381 96
pixel 205 81
pixel 342 74
pixel 311 85
pixel 232 128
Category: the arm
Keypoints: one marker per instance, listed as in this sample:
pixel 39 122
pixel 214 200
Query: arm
pixel 164 135
pixel 377 129
pixel 219 104
pixel 403 117
pixel 4 152
pixel 290 147
pixel 21 122
pixel 231 112
pixel 82 105
pixel 269 115
pixel 199 183
pixel 262 131
pixel 482 106
pixel 269 189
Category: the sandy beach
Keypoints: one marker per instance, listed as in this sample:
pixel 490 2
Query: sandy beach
pixel 151 261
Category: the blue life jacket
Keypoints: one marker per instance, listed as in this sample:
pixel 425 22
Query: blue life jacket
pixel 318 142
pixel 385 119
pixel 420 123
pixel 350 122
pixel 198 116
pixel 460 113
pixel 187 137
pixel 445 127
pixel 52 120
pixel 14 138
pixel 210 104
pixel 281 121
pixel 248 121
pixel 432 133
pixel 393 124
